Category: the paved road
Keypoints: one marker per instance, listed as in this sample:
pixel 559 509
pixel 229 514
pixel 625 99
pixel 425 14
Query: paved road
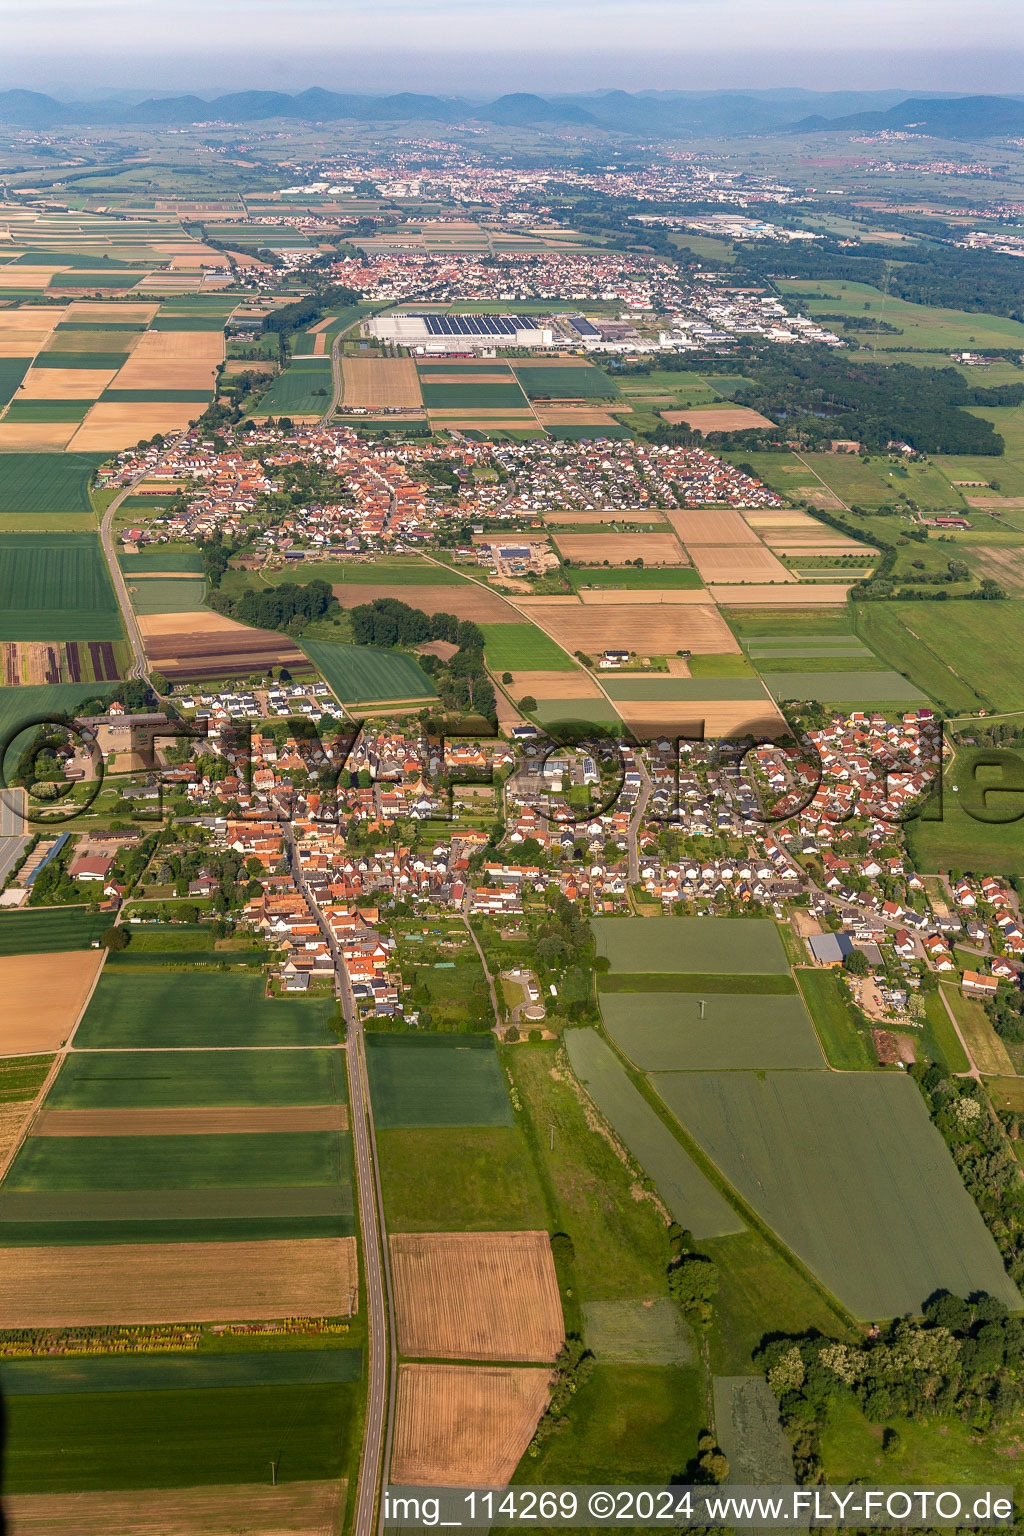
pixel 636 820
pixel 382 1348
pixel 14 835
pixel 139 665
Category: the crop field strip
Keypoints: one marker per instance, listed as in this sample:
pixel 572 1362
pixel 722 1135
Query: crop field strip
pixel 193 1010
pixel 56 587
pixel 300 1508
pixel 476 1296
pixel 49 929
pixel 44 994
pixel 849 1171
pixel 361 674
pixel 687 1193
pixel 96 1164
pixel 742 946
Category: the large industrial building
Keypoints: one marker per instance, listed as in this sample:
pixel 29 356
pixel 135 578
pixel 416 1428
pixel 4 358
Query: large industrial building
pixel 443 335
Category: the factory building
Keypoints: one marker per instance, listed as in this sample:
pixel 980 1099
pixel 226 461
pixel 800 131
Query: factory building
pixel 443 335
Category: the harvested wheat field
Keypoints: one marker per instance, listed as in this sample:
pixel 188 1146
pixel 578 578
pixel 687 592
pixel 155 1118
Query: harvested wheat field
pixel 738 562
pixel 12 1121
pixel 65 383
pixel 234 1509
pixel 818 594
pixel 580 416
pixel 176 373
pixel 380 381
pixel 82 310
pixel 553 685
pixel 804 544
pixel 461 1425
pixel 207 1121
pixel 617 548
pixel 720 717
pixel 725 418
pixel 615 597
pixel 465 600
pixel 92 341
pixel 482 421
pixel 40 318
pixel 35 436
pixel 793 519
pixel 607 515
pixel 43 997
pixel 674 627
pixel 25 343
pixel 180 347
pixel 476 1296
pixel 716 525
pixel 113 425
pixel 71 1287
pixel 26 277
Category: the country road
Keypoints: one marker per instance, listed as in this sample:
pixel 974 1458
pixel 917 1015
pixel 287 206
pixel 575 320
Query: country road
pixel 381 1346
pixel 131 624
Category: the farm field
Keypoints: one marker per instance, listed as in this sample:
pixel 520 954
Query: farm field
pixel 743 946
pixel 456 1425
pixel 568 383
pixel 303 389
pixel 43 997
pixel 293 1160
pixel 166 1373
pixel 960 842
pixel 878 1238
pixel 378 572
pixel 638 1332
pixel 179 594
pixel 749 1432
pixel 359 674
pixel 987 1049
pixel 49 929
pixel 82 1441
pixel 586 549
pixel 496 1188
pixel 836 686
pixel 372 382
pixel 200 643
pixel 479 395
pixel 156 561
pixel 668 1032
pixel 436 1080
pixel 630 579
pixel 964 654
pixel 845 1047
pixel 170 1009
pixel 522 647
pixel 55 587
pixel 476 1296
pixel 690 1197
pixel 466 600
pixel 134 1283
pixel 195 1079
pixel 649 629
pixel 303 1508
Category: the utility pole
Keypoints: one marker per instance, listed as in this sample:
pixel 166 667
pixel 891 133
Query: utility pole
pixel 702 1005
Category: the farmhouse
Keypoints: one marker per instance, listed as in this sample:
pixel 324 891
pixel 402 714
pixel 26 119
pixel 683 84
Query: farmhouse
pixel 976 985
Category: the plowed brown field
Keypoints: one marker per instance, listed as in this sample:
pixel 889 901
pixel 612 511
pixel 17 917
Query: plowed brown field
pixel 721 717
pixel 71 1287
pixel 466 601
pixel 554 685
pixel 476 1295
pixel 460 1425
pixel 43 996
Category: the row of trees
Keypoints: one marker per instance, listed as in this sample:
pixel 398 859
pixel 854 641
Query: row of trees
pixel 461 680
pixel 289 607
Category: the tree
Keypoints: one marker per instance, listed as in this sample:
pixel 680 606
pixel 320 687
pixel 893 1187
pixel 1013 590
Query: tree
pixel 527 704
pixel 115 939
pixel 694 1284
pixel 856 962
pixel 160 682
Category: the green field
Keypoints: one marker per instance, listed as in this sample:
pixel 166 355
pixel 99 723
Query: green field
pixel 92 360
pixel 168 1373
pixel 496 396
pixel 45 483
pixel 360 674
pixel 748 1430
pixel 21 1077
pixel 628 577
pixel 436 1080
pixel 923 327
pixel 290 1159
pixel 182 1078
pixel 55 587
pixel 581 383
pixel 712 982
pixel 49 929
pixel 177 595
pixel 849 1171
pixel 836 686
pixel 79 1441
pixel 168 1010
pixel 690 1197
pixel 12 371
pixel 155 393
pixel 902 637
pixel 47 410
pixel 37 702
pixel 523 648
pixel 469 1179
pixel 303 389
pixel 958 841
pixel 937 1449
pixel 695 688
pixel 826 998
pixel 638 1332
pixel 965 654
pixel 667 1032
pixel 742 946
pixel 160 558
pixel 172 322
pixel 382 573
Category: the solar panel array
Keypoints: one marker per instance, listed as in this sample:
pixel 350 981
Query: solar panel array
pixel 476 325
pixel 583 327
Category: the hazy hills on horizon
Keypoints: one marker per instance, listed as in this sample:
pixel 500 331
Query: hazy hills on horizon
pixel 650 113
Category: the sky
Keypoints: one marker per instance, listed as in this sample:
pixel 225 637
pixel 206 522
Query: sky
pixel 482 47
